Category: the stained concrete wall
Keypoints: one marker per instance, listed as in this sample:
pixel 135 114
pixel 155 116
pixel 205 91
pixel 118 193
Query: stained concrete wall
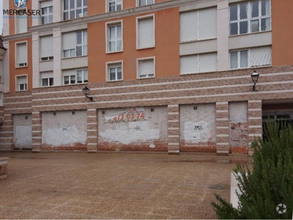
pixel 133 129
pixel 22 131
pixel 64 131
pixel 238 127
pixel 198 128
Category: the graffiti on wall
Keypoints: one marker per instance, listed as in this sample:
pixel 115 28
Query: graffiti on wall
pixel 126 115
pixel 239 134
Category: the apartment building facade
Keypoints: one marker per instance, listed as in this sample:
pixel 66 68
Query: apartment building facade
pixel 171 76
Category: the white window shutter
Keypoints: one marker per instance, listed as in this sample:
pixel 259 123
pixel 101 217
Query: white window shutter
pixel 46 75
pixel 146 67
pixel 146 33
pixel 260 56
pixel 46 4
pixel 189 64
pixel 208 62
pixel 188 26
pixel 21 80
pixel 47 46
pixel 21 24
pixel 21 53
pixel 69 41
pixel 69 72
pixel 207 23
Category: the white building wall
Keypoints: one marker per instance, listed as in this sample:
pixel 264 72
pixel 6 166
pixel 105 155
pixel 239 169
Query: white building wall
pixel 57 41
pixel 36 58
pixel 223 34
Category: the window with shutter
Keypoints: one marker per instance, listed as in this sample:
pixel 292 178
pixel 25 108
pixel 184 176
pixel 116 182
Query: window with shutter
pixel 21 23
pixel 46 48
pixel 114 37
pixel 114 71
pixel 198 63
pixel 47 79
pixel 21 83
pixel 146 68
pixel 253 57
pixel 75 76
pixel 145 32
pixel 47 12
pixel 198 25
pixel 144 2
pixel 21 53
pixel 114 5
pixel 69 44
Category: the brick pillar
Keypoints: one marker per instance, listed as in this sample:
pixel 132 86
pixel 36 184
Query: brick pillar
pixel 36 131
pixel 92 130
pixel 254 122
pixel 222 128
pixel 6 134
pixel 173 129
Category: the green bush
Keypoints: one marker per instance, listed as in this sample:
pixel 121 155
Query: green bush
pixel 269 183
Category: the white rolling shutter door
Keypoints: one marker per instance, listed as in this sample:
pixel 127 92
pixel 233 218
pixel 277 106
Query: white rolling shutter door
pixel 69 41
pixel 207 23
pixel 47 46
pixel 146 33
pixel 189 64
pixel 208 62
pixel 22 53
pixel 188 26
pixel 260 56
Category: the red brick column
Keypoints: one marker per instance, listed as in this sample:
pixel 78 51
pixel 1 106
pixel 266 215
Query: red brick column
pixel 254 122
pixel 173 129
pixel 92 130
pixel 222 128
pixel 6 133
pixel 36 131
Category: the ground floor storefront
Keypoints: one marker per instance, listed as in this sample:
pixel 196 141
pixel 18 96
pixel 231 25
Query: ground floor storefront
pixel 217 112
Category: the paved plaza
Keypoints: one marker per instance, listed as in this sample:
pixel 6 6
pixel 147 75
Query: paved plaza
pixel 114 185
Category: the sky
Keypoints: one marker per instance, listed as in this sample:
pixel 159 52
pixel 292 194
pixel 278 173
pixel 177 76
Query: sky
pixel 1 16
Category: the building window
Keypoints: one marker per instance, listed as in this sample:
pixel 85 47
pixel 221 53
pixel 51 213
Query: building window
pixel 47 12
pixel 21 82
pixel 47 79
pixel 75 76
pixel 145 32
pixel 115 71
pixel 254 57
pixel 114 5
pixel 21 55
pixel 114 37
pixel 75 44
pixel 74 9
pixel 146 68
pixel 46 48
pixel 21 22
pixel 198 25
pixel 198 63
pixel 250 17
pixel 144 2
